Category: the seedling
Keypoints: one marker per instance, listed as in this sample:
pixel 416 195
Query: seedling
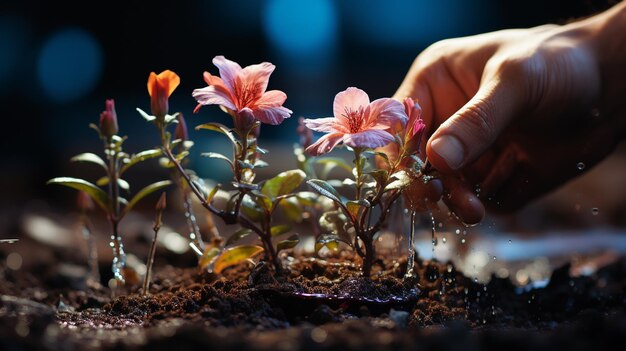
pixel 116 165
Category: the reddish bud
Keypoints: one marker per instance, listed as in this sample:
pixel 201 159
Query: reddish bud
pixel 181 129
pixel 162 203
pixel 108 119
pixel 84 201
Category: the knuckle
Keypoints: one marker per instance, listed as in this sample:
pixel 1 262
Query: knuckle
pixel 477 122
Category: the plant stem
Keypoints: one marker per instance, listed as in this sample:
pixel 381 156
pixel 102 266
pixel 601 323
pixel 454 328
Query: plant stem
pixel 119 261
pixel 148 277
pixel 266 238
pixel 410 260
pixel 368 260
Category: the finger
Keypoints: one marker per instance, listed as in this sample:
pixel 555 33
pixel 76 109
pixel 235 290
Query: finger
pixel 466 135
pixel 462 201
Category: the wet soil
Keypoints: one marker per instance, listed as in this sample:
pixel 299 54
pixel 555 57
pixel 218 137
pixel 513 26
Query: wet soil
pixel 317 304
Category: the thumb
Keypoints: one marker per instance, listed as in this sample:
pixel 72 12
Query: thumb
pixel 465 136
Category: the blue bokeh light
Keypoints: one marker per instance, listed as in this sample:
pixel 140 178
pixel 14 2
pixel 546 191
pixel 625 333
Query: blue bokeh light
pixel 69 65
pixel 301 28
pixel 413 22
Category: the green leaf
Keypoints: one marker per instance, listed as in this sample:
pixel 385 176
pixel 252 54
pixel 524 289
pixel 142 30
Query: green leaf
pixel 307 198
pixel 212 193
pixel 208 257
pixel 220 128
pixel 238 235
pixel 260 164
pixel 143 193
pixel 235 255
pixel 261 151
pixel 217 156
pixel 146 116
pixel 284 183
pixel 331 241
pixel 401 180
pixel 97 194
pixel 123 184
pixel 325 189
pixel 262 201
pixel 289 243
pixel 381 176
pixel 251 209
pixel 291 208
pixel 331 163
pixel 91 158
pixel 102 181
pixel 139 157
pixel 354 206
pixel 245 164
pixel 280 229
pixel 171 118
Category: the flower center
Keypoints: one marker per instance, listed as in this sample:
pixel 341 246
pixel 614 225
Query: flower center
pixel 354 118
pixel 247 94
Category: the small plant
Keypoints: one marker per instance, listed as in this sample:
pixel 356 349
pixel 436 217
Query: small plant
pixel 384 137
pixel 241 93
pixel 363 127
pixel 111 201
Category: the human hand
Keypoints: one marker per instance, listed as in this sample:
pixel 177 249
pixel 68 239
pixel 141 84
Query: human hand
pixel 518 112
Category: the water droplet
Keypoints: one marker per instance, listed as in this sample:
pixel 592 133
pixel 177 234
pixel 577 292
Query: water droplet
pixel 440 225
pixel 510 241
pixel 594 211
pixel 458 231
pixel 444 240
pixel 465 232
pixel 475 279
pixel 495 258
pixel 463 241
pixel 580 166
pixel 595 112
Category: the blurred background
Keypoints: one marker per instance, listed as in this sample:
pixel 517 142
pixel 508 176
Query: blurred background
pixel 60 60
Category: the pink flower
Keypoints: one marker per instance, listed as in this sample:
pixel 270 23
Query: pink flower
pixel 242 92
pixel 108 119
pixel 357 122
pixel 415 127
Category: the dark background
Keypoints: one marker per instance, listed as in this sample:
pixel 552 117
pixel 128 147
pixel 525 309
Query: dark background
pixel 60 60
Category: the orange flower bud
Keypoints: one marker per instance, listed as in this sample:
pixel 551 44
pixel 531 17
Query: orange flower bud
pixel 108 119
pixel 160 87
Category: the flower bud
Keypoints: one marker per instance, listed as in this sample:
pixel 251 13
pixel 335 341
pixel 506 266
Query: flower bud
pixel 162 203
pixel 181 129
pixel 160 87
pixel 108 120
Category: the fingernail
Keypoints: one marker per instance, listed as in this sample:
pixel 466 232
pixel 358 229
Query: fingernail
pixel 450 149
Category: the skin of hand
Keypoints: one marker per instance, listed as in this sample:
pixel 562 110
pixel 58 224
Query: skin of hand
pixel 514 112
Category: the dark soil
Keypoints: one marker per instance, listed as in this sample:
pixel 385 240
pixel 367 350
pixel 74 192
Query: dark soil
pixel 319 304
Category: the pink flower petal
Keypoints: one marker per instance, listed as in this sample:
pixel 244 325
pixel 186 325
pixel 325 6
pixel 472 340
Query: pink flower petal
pixel 351 99
pixel 254 78
pixel 388 112
pixel 369 138
pixel 229 70
pixel 213 95
pixel 326 125
pixel 272 98
pixel 324 144
pixel 271 114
